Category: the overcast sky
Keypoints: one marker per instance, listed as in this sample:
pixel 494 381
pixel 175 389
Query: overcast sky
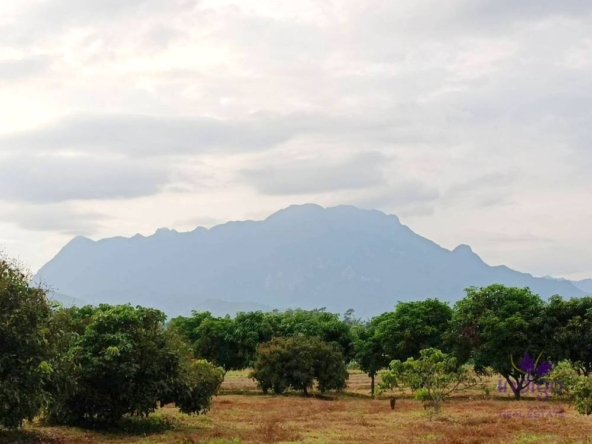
pixel 469 119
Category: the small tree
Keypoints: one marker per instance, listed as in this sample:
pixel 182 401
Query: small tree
pixel 296 362
pixel 24 351
pixel 562 379
pixel 201 381
pixel 435 376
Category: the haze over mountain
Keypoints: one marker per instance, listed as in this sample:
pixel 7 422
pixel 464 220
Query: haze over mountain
pixel 303 256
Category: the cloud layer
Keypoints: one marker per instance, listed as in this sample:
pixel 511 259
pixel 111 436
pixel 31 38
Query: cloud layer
pixel 469 119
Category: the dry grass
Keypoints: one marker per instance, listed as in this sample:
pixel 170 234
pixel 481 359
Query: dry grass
pixel 349 418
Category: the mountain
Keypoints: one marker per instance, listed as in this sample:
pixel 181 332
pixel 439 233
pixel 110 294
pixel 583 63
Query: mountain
pixel 303 256
pixel 585 285
pixel 223 308
pixel 65 300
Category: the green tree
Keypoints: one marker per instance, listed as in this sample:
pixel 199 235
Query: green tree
pixel 216 342
pixel 123 362
pixel 199 381
pixel 582 395
pixel 568 323
pixel 369 350
pixel 437 373
pixel 187 326
pixel 414 326
pixel 24 351
pixel 495 326
pixel 314 323
pixel 295 363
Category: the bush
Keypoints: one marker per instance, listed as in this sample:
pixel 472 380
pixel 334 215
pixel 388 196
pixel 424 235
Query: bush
pixel 24 353
pixel 202 381
pixel 295 363
pixel 582 395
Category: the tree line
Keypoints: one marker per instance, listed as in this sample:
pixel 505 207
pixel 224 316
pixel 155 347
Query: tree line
pixel 93 365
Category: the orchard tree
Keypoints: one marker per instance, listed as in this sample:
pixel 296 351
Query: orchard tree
pixel 216 343
pixel 437 375
pixel 568 323
pixel 295 363
pixel 314 323
pixel 250 330
pixel 24 350
pixel 495 326
pixel 414 326
pixel 124 362
pixel 187 326
pixel 369 350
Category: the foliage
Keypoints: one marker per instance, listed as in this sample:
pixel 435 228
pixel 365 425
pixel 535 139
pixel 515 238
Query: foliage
pixel 495 324
pixel 296 362
pixel 369 351
pixel 232 343
pixel 216 343
pixel 582 395
pixel 314 323
pixel 203 380
pixel 434 377
pixel 24 352
pixel 562 380
pixel 568 323
pixel 412 327
pixel 123 362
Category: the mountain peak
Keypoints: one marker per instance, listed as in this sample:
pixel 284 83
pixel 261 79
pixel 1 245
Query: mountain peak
pixel 303 256
pixel 164 231
pixel 463 249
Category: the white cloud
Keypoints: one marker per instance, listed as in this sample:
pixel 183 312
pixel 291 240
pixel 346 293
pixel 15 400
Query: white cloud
pixel 459 116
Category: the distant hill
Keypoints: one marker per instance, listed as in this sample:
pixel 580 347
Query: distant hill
pixel 65 300
pixel 223 308
pixel 303 256
pixel 585 285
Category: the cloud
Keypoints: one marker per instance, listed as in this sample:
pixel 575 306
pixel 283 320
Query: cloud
pixel 17 70
pixel 317 175
pixel 45 179
pixel 459 113
pixel 57 218
pixel 138 135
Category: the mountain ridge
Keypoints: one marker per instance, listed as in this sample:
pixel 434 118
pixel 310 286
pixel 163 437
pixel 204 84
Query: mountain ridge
pixel 301 256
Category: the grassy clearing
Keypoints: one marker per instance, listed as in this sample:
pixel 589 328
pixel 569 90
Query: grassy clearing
pixel 349 418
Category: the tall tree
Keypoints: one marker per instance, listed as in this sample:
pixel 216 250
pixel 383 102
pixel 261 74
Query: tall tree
pixel 414 326
pixel 568 323
pixel 495 326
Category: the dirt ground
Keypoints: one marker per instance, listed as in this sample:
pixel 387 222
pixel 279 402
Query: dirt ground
pixel 241 414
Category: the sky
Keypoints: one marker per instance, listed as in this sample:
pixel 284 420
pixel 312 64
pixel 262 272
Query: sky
pixel 469 119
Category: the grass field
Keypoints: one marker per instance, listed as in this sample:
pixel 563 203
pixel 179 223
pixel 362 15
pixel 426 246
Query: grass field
pixel 242 415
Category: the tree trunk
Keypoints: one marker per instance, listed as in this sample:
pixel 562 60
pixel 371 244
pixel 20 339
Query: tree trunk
pixel 372 385
pixel 516 388
pixel 305 391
